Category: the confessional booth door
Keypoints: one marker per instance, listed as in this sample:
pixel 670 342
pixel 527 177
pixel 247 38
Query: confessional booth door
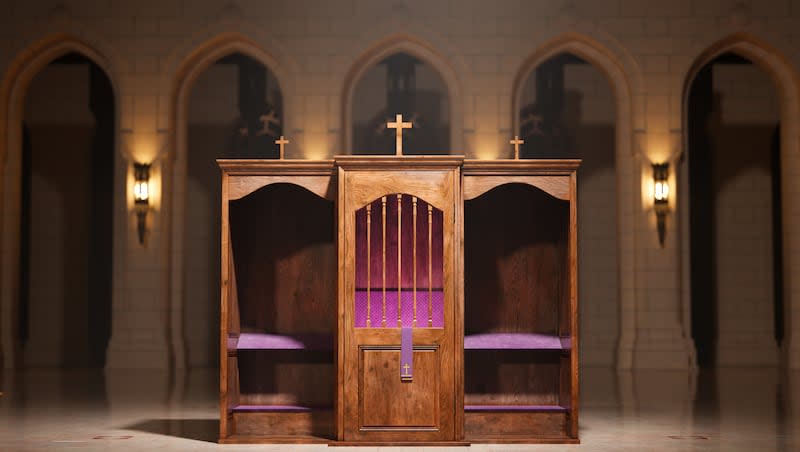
pixel 400 352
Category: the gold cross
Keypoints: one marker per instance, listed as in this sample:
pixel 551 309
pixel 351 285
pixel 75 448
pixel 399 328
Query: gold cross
pixel 398 125
pixel 280 143
pixel 516 142
pixel 405 370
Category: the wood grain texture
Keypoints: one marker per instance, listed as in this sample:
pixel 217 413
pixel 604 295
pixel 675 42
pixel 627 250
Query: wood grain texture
pixel 458 310
pixel 519 377
pixel 556 186
pixel 283 239
pixel 574 357
pixel 361 181
pixel 399 443
pixel 550 176
pixel 342 328
pixel 386 402
pixel 521 427
pixel 286 377
pixel 520 275
pixel 314 424
pixel 280 228
pixel 510 266
pixel 509 167
pixel 225 391
pixel 292 439
pixel 249 175
pixel 515 261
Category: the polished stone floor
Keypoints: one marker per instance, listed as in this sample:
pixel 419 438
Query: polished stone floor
pixel 732 409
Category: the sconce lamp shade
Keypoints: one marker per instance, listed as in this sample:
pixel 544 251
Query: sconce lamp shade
pixel 141 196
pixel 661 183
pixel 661 198
pixel 141 189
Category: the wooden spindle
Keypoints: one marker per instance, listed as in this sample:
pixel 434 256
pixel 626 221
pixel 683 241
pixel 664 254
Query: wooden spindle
pixel 414 255
pixel 369 265
pixel 383 258
pixel 399 258
pixel 430 265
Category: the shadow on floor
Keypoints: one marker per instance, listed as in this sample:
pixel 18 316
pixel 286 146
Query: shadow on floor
pixel 196 429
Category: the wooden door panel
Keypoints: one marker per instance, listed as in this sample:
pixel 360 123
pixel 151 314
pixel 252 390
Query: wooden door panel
pixel 387 403
pixel 376 405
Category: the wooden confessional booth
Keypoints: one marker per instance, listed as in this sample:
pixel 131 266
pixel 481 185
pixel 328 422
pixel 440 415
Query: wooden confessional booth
pixel 421 300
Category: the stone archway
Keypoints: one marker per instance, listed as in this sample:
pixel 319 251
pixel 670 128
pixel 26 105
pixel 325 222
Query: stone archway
pixel 22 70
pixel 413 46
pixel 196 62
pixel 783 76
pixel 623 81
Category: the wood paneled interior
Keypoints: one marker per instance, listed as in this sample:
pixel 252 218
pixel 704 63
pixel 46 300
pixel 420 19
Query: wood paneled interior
pixel 232 384
pixel 286 377
pixel 282 237
pixel 312 424
pixel 515 258
pixel 511 377
pixel 285 265
pixel 387 403
pixel 520 276
pixel 526 427
pixel 278 277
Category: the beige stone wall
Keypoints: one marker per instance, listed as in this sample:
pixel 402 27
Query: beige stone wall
pixel 589 125
pixel 647 49
pixel 212 115
pixel 592 127
pixel 742 134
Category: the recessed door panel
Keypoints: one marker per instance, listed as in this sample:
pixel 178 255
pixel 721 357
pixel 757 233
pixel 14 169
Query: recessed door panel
pixel 387 403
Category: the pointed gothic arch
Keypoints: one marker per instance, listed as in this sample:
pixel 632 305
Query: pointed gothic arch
pixel 24 67
pixel 417 48
pixel 195 62
pixel 625 83
pixel 784 76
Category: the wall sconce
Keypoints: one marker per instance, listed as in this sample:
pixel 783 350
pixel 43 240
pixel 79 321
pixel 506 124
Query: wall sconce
pixel 141 196
pixel 661 198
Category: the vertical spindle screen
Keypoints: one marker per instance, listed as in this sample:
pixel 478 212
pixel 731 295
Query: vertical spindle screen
pixel 399 264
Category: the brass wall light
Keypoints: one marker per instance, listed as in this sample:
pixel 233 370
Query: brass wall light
pixel 141 196
pixel 661 198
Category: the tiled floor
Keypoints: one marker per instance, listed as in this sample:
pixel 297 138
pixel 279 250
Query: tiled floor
pixel 731 409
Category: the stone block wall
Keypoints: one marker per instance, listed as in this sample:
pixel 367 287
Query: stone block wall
pixel 153 50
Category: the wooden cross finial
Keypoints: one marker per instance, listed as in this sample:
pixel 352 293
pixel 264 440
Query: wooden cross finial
pixel 516 142
pixel 281 142
pixel 398 125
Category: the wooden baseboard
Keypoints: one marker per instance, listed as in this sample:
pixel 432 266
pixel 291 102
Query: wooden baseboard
pixel 399 443
pixel 251 439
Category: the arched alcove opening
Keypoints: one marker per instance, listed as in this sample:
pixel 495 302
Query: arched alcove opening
pixel 735 223
pixel 567 109
pixel 402 84
pixel 426 60
pixel 234 109
pixel 66 215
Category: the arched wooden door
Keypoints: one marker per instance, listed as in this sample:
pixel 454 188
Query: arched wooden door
pixel 400 300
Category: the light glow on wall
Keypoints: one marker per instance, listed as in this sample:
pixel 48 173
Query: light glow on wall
pixel 316 146
pixel 487 146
